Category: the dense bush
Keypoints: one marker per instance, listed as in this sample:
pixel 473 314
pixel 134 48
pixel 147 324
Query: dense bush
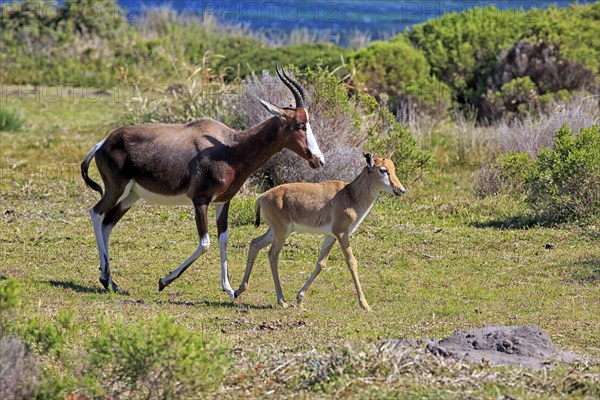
pixel 462 47
pixel 527 77
pixel 259 58
pixel 561 183
pixel 476 52
pixel 514 143
pixel 564 182
pixel 398 69
pixel 505 175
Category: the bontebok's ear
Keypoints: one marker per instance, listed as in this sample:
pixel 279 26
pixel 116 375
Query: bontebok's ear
pixel 278 112
pixel 369 160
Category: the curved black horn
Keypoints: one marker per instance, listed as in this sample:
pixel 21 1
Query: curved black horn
pixel 293 86
pixel 299 87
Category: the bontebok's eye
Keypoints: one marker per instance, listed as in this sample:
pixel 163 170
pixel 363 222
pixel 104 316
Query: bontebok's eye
pixel 383 171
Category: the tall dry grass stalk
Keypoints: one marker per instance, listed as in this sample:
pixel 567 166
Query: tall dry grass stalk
pixel 529 135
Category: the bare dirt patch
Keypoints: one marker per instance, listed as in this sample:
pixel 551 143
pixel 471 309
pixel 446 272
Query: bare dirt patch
pixel 526 346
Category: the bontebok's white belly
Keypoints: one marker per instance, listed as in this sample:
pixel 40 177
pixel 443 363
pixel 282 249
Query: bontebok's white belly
pixel 179 200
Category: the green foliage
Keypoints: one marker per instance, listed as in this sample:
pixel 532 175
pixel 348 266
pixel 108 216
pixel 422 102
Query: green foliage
pixel 47 336
pixel 506 175
pixel 516 98
pixel 9 295
pixel 401 71
pixel 461 48
pixel 388 66
pixel 156 359
pixel 391 138
pixel 102 18
pixel 256 58
pixel 564 182
pixel 575 29
pixel 11 119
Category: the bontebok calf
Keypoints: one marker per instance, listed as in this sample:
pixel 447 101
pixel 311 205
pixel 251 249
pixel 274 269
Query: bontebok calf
pixel 198 163
pixel 334 209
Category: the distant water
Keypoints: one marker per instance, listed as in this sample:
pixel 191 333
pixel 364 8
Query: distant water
pixel 379 18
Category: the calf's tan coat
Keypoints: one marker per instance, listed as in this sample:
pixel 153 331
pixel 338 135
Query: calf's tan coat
pixel 334 209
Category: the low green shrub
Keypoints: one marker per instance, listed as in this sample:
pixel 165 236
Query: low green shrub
pixel 54 358
pixel 11 119
pixel 156 359
pixel 505 175
pixel 9 295
pixel 515 98
pixel 564 182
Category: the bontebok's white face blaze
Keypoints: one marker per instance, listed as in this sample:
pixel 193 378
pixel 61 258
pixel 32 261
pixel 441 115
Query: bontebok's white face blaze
pixel 311 142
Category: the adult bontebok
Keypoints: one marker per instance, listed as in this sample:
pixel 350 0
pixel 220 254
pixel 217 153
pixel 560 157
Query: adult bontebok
pixel 333 208
pixel 198 163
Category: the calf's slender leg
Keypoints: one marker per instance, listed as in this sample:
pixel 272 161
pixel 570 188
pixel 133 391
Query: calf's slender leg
pixel 201 208
pixel 274 260
pixel 256 245
pixel 326 247
pixel 344 241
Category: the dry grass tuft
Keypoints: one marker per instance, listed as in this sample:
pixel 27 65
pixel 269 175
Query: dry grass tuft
pixel 19 373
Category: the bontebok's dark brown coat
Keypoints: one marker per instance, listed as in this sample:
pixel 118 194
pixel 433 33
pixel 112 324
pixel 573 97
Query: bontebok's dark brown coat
pixel 198 163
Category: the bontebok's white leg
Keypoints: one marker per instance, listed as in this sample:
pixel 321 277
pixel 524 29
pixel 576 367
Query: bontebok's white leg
pixel 104 267
pixel 323 256
pixel 222 214
pixel 202 248
pixel 113 216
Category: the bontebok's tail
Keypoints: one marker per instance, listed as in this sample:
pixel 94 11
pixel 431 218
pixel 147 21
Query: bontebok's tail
pixel 257 213
pixel 86 164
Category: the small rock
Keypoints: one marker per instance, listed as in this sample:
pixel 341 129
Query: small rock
pixel 549 246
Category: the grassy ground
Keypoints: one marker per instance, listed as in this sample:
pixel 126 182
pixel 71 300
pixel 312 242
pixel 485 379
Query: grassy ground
pixel 433 261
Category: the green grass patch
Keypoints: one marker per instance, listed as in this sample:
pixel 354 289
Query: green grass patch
pixel 11 119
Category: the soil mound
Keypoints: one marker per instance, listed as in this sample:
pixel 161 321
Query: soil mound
pixel 526 346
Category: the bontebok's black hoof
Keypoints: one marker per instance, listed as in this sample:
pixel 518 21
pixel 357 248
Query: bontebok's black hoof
pixel 161 285
pixel 104 283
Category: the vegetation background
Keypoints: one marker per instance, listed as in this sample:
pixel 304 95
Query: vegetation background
pixel 492 118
